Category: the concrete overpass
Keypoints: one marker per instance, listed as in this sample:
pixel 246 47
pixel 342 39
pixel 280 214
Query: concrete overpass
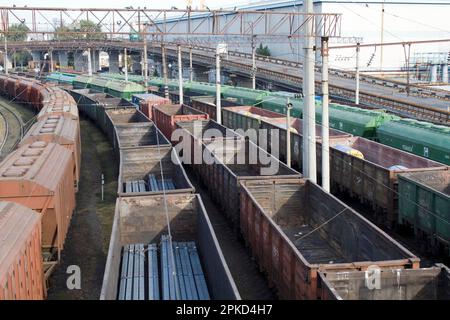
pixel 422 103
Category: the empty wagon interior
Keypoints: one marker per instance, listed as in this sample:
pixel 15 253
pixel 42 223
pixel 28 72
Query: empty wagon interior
pixel 385 156
pixel 140 134
pixel 124 116
pixel 174 110
pixel 143 220
pixel 400 284
pixel 322 228
pixel 144 165
pixel 439 180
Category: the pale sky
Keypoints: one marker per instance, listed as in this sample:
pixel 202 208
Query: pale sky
pixel 124 3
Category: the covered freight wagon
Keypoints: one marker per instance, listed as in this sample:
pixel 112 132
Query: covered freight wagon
pixel 167 116
pixel 40 176
pixel 295 230
pixel 207 104
pixel 356 121
pixel 373 178
pixel 149 171
pixel 424 206
pixel 143 220
pixel 82 82
pixel 60 130
pixel 278 104
pixel 21 271
pixel 124 89
pixel 387 284
pixel 244 96
pixel 421 138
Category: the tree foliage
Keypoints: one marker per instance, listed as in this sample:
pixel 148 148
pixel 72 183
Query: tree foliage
pixel 17 32
pixel 85 30
pixel 263 50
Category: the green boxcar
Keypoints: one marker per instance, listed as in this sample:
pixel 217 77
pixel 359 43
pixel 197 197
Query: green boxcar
pixel 278 104
pixel 82 82
pixel 356 121
pixel 244 96
pixel 200 88
pixel 100 84
pixel 123 89
pixel 421 138
pixel 424 204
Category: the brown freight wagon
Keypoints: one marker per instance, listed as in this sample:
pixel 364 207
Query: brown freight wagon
pixel 295 230
pixel 225 163
pixel 61 130
pixel 12 83
pixel 24 91
pixel 55 101
pixel 144 220
pixel 40 176
pixel 21 271
pixel 167 116
pixel 146 106
pixel 395 284
pixel 207 104
pixel 373 180
pixel 149 170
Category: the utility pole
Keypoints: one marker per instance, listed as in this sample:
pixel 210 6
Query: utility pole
pixel 5 56
pixel 309 116
pixel 51 60
pixel 325 118
pixel 166 81
pixel 221 49
pixel 253 61
pixel 382 36
pixel 357 75
pixel 191 70
pixel 145 65
pixel 125 63
pixel 89 62
pixel 407 59
pixel 218 89
pixel 288 132
pixel 180 75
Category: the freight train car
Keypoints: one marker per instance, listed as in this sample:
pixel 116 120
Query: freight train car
pixel 295 230
pixel 227 163
pixel 21 271
pixel 149 171
pixel 397 284
pixel 151 100
pixel 424 207
pixel 373 178
pixel 421 138
pixel 142 220
pixel 60 130
pixel 167 116
pixel 40 176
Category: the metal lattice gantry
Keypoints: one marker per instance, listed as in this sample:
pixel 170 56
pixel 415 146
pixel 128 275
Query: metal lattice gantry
pixel 182 22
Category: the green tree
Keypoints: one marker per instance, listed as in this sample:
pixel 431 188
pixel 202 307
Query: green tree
pixel 85 29
pixel 21 58
pixel 17 32
pixel 263 50
pixel 155 73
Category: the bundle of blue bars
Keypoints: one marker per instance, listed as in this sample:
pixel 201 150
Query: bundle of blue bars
pixel 188 281
pixel 179 278
pixel 153 185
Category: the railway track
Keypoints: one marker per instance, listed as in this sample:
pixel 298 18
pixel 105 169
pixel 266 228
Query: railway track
pixel 289 77
pixel 13 129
